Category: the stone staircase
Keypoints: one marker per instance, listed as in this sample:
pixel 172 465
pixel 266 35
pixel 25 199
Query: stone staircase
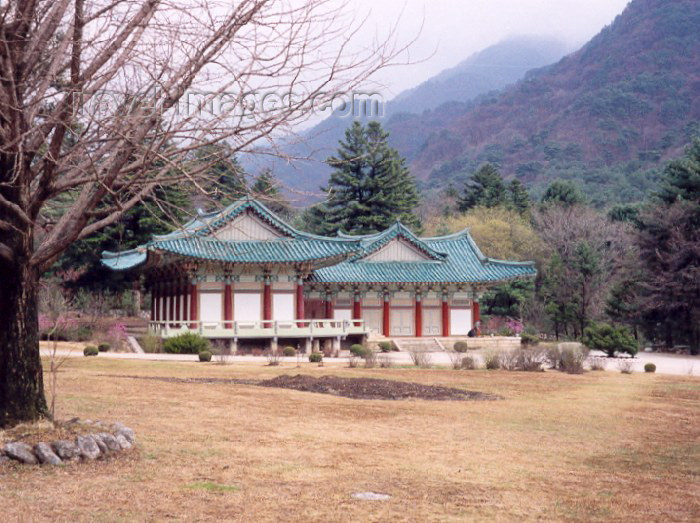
pixel 135 328
pixel 419 345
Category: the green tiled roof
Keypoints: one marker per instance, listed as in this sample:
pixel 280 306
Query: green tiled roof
pixel 449 259
pixel 271 251
pixel 463 263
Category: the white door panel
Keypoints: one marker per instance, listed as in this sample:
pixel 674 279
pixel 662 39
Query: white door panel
pixel 247 306
pixel 210 309
pixel 402 322
pixel 283 307
pixel 460 322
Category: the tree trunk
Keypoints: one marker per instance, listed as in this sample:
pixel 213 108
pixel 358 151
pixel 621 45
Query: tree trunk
pixel 21 377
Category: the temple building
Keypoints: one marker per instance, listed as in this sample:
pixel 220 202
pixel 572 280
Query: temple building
pixel 243 274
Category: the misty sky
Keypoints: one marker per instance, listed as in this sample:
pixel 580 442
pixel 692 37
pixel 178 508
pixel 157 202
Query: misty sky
pixel 454 29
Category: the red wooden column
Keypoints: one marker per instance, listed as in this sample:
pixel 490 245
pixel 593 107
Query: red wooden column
pixel 386 312
pixel 194 316
pixel 301 314
pixel 228 304
pixel 419 315
pixel 178 302
pixel 357 307
pixel 476 313
pixel 445 314
pixel 267 299
pixel 329 306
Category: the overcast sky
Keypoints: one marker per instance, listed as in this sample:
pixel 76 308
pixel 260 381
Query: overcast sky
pixel 454 29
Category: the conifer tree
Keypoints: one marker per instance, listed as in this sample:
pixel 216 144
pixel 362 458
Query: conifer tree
pixel 370 187
pixel 518 198
pixel 563 192
pixel 266 189
pixel 485 188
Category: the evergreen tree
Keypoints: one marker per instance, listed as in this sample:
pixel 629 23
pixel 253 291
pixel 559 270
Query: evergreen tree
pixel 563 192
pixel 485 188
pixel 370 187
pixel 518 198
pixel 681 181
pixel 266 189
pixel 227 176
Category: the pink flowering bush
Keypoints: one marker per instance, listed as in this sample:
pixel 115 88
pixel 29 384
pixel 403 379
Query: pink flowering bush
pixel 117 334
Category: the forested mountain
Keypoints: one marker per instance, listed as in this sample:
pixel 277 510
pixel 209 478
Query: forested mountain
pixel 492 69
pixel 624 103
pixel 606 116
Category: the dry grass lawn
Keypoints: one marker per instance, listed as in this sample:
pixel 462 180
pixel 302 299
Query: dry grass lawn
pixel 601 446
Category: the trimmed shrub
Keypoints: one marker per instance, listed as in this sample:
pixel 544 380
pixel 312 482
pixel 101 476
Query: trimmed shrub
pixel 358 350
pixel 315 357
pixel 460 346
pixel 385 346
pixel 528 339
pixel 610 339
pixel 90 350
pixel 649 367
pixel 205 356
pixel 103 347
pixel 289 352
pixel 187 343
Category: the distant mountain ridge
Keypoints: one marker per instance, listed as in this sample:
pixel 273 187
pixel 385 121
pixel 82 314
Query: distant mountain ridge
pixel 626 102
pixel 489 70
pixel 492 69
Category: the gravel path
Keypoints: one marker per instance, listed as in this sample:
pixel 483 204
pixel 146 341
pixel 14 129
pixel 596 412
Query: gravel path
pixel 679 365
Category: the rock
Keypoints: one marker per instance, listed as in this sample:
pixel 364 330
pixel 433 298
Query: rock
pixel 87 447
pixel 129 434
pixel 371 496
pixel 100 443
pixel 21 452
pixel 118 425
pixel 110 441
pixel 4 460
pixel 65 449
pixel 46 455
pixel 123 442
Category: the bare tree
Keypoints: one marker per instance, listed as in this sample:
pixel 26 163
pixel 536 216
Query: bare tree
pixel 591 250
pixel 103 101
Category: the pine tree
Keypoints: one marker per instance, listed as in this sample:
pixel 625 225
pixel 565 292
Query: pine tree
pixel 370 187
pixel 563 192
pixel 518 198
pixel 266 189
pixel 227 176
pixel 485 188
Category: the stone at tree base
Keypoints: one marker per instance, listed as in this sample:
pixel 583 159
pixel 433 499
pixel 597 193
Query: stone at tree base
pixel 46 455
pixel 129 434
pixel 110 441
pixel 100 443
pixel 21 452
pixel 65 449
pixel 87 447
pixel 123 442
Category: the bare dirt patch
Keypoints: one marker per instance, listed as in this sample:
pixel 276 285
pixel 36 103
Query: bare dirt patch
pixel 374 389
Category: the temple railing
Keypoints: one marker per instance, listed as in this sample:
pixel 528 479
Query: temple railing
pixel 260 329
